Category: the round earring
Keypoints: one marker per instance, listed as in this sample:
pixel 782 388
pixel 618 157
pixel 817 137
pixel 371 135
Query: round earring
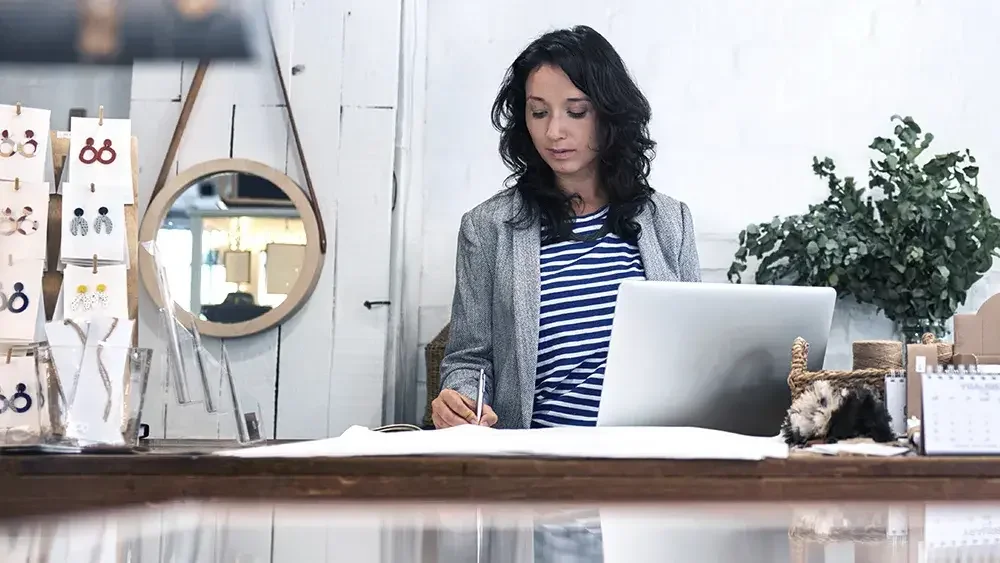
pixel 3 299
pixel 8 225
pixel 82 300
pixel 17 295
pixel 33 225
pixel 102 295
pixel 7 145
pixel 88 154
pixel 103 219
pixel 78 226
pixel 31 142
pixel 107 147
pixel 21 394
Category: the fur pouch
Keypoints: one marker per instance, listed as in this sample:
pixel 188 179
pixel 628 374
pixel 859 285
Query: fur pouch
pixel 823 413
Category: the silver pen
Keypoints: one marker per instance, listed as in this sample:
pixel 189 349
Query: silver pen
pixel 479 399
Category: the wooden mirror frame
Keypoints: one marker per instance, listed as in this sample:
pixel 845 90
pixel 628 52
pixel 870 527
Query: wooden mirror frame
pixel 312 264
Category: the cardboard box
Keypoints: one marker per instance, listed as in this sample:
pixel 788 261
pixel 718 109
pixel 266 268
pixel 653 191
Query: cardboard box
pixel 977 335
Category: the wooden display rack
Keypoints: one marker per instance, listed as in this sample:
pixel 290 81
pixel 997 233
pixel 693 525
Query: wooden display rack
pixel 52 278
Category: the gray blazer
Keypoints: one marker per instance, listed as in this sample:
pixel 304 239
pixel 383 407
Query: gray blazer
pixel 494 315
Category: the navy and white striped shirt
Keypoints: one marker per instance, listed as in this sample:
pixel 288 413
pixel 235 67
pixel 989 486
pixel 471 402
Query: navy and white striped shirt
pixel 579 287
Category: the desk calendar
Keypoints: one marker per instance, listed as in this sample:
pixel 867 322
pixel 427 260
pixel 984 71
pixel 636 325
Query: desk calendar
pixel 960 410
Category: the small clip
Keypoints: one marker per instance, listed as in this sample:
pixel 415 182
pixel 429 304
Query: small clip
pixel 17 184
pixel 91 187
pixel 100 115
pixel 10 260
pixel 18 106
pixel 95 263
pixel 10 352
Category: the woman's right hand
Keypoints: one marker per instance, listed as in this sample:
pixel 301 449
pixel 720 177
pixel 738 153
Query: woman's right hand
pixel 451 408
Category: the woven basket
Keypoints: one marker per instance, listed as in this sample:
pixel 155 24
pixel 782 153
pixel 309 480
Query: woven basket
pixel 434 354
pixel 799 379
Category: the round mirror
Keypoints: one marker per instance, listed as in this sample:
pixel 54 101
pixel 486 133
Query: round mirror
pixel 240 245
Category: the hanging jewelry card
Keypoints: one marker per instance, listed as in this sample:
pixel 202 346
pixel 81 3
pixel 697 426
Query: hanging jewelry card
pixel 93 225
pixel 100 152
pixel 20 294
pixel 96 410
pixel 24 218
pixel 21 401
pixel 24 142
pixel 88 292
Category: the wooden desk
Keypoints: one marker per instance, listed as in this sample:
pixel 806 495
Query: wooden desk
pixel 42 484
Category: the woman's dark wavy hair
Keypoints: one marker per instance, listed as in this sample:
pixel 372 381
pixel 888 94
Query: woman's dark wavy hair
pixel 623 113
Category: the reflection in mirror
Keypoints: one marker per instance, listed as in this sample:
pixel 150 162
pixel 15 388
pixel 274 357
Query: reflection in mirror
pixel 234 246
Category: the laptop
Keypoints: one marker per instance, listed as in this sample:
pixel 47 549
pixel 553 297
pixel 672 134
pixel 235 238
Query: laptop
pixel 709 355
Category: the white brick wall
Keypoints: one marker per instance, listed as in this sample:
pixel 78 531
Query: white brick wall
pixel 744 94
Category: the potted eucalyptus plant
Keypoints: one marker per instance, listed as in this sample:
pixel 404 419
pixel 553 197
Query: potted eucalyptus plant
pixel 911 243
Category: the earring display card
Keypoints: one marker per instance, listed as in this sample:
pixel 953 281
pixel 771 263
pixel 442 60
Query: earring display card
pixel 96 413
pixel 91 226
pixel 87 295
pixel 20 293
pixel 100 153
pixel 24 142
pixel 959 407
pixel 20 404
pixel 24 218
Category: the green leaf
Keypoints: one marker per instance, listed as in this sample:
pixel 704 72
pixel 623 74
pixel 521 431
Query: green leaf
pixel 949 243
pixel 812 248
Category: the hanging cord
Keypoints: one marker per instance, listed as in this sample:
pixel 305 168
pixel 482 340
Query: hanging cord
pixel 182 121
pixel 295 135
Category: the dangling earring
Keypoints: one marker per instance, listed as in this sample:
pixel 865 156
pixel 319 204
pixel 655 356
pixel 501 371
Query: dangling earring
pixel 103 219
pixel 28 134
pixel 102 295
pixel 78 226
pixel 82 300
pixel 33 225
pixel 7 145
pixel 3 298
pixel 88 154
pixel 8 225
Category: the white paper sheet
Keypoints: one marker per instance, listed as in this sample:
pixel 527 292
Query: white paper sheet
pixel 469 440
pixel 864 448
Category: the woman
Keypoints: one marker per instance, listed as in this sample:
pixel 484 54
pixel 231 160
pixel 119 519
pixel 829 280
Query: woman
pixel 539 264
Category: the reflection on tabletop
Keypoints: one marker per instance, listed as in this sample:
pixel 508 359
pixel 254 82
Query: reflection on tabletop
pixel 375 532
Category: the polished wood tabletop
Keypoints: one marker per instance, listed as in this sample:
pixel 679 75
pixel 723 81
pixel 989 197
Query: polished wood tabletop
pixel 48 482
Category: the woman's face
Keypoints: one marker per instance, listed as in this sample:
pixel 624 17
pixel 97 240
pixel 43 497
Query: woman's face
pixel 561 122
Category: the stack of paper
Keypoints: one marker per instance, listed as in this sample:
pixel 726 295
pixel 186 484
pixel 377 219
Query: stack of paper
pixel 600 442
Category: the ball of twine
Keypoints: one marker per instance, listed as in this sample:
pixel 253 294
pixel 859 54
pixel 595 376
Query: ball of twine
pixel 878 354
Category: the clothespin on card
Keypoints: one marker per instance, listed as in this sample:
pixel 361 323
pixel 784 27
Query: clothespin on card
pixel 10 260
pixel 10 352
pixel 100 115
pixel 95 263
pixel 18 106
pixel 91 187
pixel 17 184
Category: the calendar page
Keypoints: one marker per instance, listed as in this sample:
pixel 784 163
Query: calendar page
pixel 960 409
